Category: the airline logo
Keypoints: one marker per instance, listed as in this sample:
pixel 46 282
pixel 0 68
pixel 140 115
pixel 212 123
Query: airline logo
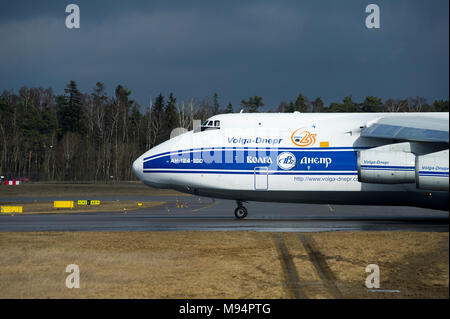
pixel 286 160
pixel 259 160
pixel 303 138
pixel 316 161
pixel 256 140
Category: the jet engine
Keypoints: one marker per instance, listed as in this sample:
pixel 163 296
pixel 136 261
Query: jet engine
pixel 383 167
pixel 432 171
pixel 390 165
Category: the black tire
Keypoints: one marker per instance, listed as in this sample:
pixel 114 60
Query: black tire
pixel 240 212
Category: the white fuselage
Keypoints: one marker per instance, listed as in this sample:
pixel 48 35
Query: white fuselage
pixel 279 157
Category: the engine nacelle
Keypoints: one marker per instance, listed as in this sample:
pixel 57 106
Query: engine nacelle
pixel 432 171
pixel 386 167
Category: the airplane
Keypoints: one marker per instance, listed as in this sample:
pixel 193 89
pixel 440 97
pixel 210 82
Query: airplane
pixel 396 159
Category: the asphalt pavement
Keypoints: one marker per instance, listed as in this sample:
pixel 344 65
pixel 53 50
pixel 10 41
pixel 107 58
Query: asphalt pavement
pixel 188 213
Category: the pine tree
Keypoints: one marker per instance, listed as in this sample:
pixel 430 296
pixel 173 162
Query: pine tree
pixel 349 105
pixel 301 104
pixel 158 108
pixel 158 121
pixel 317 105
pixel 229 108
pixel 171 113
pixel 290 108
pixel 440 105
pixel 253 104
pixel 100 93
pixel 216 105
pixel 122 96
pixel 371 104
pixel 69 109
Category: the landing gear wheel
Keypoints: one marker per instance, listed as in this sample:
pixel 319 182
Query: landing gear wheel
pixel 240 212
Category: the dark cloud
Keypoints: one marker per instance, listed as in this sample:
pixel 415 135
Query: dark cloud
pixel 237 48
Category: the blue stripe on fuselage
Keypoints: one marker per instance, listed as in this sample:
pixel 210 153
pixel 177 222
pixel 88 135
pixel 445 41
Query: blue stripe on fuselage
pixel 433 173
pixel 381 167
pixel 246 159
pixel 290 149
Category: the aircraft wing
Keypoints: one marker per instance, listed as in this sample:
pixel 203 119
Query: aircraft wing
pixel 419 129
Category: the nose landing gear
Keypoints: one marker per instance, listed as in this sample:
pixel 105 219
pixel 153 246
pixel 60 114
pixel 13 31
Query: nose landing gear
pixel 240 212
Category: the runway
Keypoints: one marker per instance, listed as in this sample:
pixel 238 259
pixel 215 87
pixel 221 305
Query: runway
pixel 188 213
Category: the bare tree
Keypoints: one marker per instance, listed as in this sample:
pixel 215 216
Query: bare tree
pixel 186 113
pixel 416 104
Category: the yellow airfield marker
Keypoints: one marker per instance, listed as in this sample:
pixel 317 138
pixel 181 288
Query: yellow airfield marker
pixel 83 202
pixel 11 209
pixel 63 204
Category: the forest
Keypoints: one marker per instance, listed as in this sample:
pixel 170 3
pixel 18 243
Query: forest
pixel 78 136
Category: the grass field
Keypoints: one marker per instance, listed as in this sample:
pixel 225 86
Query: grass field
pixel 220 264
pixel 86 189
pixel 209 264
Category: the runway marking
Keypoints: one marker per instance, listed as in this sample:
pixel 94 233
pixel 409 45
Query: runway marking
pixel 292 281
pixel 207 206
pixel 319 262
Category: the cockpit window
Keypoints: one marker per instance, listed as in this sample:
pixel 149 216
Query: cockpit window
pixel 208 125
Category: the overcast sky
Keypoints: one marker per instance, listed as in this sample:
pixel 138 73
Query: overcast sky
pixel 274 49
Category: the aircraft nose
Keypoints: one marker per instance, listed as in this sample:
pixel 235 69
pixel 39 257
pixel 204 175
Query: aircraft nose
pixel 138 168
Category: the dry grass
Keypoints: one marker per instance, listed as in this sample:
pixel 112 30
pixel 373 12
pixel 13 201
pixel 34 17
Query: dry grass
pixel 62 189
pixel 140 265
pixel 216 264
pixel 306 272
pixel 414 263
pixel 105 206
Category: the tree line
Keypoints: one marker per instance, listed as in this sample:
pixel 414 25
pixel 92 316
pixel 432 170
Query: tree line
pixel 79 136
